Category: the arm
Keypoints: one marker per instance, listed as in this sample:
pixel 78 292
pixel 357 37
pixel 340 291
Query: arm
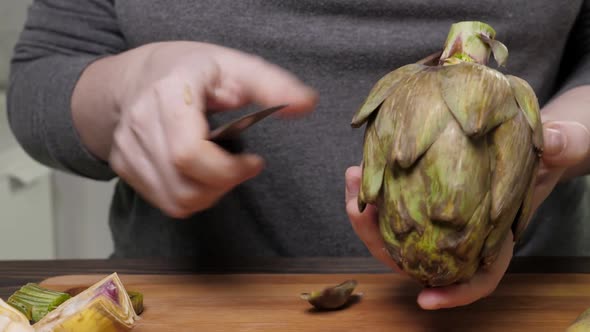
pixel 80 103
pixel 60 39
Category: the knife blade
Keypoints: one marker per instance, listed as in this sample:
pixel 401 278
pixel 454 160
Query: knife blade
pixel 233 128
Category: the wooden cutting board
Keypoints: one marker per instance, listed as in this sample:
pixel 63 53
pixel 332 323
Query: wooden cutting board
pixel 270 302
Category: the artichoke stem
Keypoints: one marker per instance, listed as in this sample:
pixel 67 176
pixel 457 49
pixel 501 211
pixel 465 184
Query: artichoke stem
pixel 464 43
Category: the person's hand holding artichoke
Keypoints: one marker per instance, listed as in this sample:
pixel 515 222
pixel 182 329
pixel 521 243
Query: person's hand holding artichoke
pixel 565 155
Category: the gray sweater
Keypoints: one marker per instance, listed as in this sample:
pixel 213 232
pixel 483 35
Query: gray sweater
pixel 340 47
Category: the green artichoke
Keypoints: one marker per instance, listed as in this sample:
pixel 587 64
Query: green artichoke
pixel 451 152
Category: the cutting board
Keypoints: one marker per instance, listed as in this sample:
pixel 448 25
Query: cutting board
pixel 270 302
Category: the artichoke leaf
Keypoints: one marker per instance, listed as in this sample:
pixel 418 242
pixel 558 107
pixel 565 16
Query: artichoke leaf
pixel 401 214
pixel 422 116
pixel 373 167
pixel 392 244
pixel 499 50
pixel 334 297
pixel 514 158
pixel 466 244
pixel 431 60
pixel 456 171
pixel 475 94
pixel 384 124
pixel 493 244
pixel 527 100
pixel 526 210
pixel 381 90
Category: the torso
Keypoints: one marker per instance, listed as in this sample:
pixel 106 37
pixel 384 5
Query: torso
pixel 296 206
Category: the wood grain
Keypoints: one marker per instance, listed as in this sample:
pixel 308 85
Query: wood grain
pixel 270 302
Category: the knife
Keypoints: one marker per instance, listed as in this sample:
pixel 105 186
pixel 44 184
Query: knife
pixel 233 128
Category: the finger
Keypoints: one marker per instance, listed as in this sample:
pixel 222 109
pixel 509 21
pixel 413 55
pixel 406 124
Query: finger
pixel 181 104
pixel 365 224
pixel 130 162
pixel 565 144
pixel 482 284
pixel 210 164
pixel 185 195
pixel 185 127
pixel 264 83
pixel 225 96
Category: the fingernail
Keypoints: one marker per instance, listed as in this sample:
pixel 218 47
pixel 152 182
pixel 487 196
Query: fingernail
pixel 427 302
pixel 349 188
pixel 554 141
pixel 254 161
pixel 352 187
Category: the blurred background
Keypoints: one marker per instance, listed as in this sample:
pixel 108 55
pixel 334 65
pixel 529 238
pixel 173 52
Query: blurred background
pixel 43 214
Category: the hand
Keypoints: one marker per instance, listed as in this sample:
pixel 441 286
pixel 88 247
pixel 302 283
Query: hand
pixel 366 226
pixel 566 145
pixel 159 141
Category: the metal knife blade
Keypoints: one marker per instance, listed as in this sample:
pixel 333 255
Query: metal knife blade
pixel 233 128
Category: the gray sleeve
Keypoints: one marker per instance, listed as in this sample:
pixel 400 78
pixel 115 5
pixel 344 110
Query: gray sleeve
pixel 59 40
pixel 575 69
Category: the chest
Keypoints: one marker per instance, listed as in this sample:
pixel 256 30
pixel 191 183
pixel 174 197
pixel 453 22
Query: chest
pixel 256 23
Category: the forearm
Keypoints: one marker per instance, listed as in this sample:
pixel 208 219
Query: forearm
pixel 94 106
pixel 46 67
pixel 573 105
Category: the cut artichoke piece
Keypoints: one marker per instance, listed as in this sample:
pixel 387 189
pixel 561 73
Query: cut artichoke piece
pixel 35 302
pixel 137 300
pixel 104 307
pixel 12 320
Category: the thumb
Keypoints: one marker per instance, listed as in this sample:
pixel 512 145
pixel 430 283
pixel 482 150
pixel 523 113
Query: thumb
pixel 262 82
pixel 566 143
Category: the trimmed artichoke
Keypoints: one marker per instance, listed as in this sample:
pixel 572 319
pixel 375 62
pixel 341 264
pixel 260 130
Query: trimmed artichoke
pixel 104 307
pixel 451 152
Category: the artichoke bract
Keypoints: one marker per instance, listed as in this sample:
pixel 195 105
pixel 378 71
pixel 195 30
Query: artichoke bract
pixel 451 152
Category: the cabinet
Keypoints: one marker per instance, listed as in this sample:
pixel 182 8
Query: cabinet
pixel 26 209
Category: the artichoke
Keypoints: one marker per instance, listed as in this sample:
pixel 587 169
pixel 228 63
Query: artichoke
pixel 451 152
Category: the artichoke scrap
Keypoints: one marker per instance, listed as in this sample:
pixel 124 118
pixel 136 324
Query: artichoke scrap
pixel 581 323
pixel 13 320
pixel 35 302
pixel 330 298
pixel 451 152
